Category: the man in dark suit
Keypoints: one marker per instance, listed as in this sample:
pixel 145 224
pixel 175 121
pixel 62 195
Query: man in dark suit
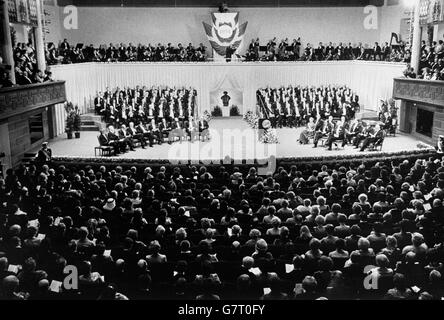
pixel 127 139
pixel 319 129
pixel 165 129
pixel 104 141
pixel 354 129
pixel 140 129
pixel 155 132
pixel 373 138
pixel 377 51
pixel 99 103
pixel 132 132
pixel 114 140
pixel 365 132
pixel 338 133
pixel 44 155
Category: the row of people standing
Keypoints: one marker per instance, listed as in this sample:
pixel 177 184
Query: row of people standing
pixel 293 106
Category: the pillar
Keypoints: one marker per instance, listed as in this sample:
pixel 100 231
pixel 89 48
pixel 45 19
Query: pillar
pixel 416 41
pixel 39 42
pixel 6 45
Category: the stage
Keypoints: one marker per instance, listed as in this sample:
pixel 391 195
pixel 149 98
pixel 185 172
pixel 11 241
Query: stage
pixel 232 137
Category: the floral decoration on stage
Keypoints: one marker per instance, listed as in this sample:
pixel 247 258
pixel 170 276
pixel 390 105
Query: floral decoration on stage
pixel 251 119
pixel 269 136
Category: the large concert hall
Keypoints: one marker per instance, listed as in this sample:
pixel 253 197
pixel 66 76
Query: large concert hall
pixel 240 150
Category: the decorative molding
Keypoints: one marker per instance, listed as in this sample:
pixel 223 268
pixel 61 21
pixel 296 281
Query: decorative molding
pixel 417 90
pixel 21 99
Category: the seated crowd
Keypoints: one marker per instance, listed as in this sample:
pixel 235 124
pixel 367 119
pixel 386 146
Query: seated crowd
pixel 148 115
pixel 431 63
pixel 340 231
pixel 293 106
pixel 360 134
pixel 26 70
pixel 67 53
pixel 272 51
pixel 286 51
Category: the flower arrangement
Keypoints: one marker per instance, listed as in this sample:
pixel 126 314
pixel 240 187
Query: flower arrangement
pixel 217 112
pixel 234 111
pixel 269 136
pixel 251 119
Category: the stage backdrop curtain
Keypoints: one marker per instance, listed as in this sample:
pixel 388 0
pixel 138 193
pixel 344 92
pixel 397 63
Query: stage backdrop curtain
pixel 372 81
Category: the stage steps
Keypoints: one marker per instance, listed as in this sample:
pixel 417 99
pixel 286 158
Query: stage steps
pixel 91 122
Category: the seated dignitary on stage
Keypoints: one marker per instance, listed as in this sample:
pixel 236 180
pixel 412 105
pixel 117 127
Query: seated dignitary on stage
pixel 374 138
pixel 155 132
pixel 353 130
pixel 132 132
pixel 309 132
pixel 362 134
pixel 127 139
pixel 104 141
pixel 338 133
pixel 146 134
pixel 324 130
pixel 109 138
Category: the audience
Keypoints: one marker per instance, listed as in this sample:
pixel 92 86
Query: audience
pixel 67 53
pixel 285 50
pixel 177 232
pixel 431 65
pixel 26 70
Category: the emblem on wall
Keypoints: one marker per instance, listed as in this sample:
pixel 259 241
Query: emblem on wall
pixel 225 32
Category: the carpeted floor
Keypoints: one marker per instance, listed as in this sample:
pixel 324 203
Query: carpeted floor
pixel 232 137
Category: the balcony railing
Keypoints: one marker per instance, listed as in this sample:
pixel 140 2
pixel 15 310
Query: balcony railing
pixel 21 99
pixel 418 90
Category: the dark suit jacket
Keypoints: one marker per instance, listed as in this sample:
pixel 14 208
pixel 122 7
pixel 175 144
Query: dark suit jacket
pixel 113 136
pixel 103 140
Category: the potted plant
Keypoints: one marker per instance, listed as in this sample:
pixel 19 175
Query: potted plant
pixel 77 122
pixel 234 111
pixel 217 112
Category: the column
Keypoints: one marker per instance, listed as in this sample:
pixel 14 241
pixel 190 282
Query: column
pixel 416 42
pixel 6 45
pixel 39 43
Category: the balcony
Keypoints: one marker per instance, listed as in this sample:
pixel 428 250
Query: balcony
pixel 418 90
pixel 18 100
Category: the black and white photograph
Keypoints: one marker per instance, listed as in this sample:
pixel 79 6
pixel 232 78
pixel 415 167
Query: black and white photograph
pixel 213 157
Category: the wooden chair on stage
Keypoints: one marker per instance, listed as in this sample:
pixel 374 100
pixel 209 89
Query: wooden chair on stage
pixel 103 151
pixel 377 145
